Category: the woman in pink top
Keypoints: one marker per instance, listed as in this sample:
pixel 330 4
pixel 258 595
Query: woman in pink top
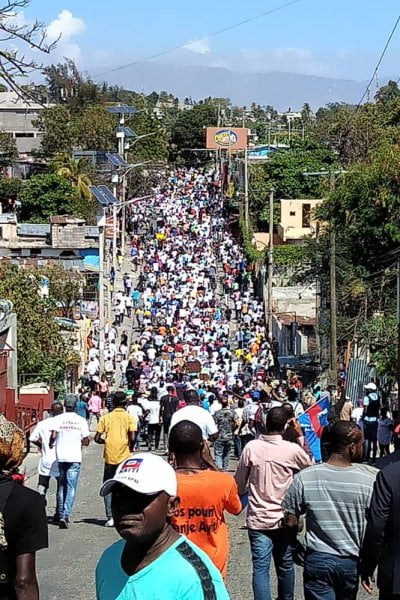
pixel 94 406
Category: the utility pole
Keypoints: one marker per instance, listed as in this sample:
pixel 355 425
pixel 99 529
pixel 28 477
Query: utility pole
pixel 246 190
pixel 114 215
pixel 101 226
pixel 270 260
pixel 398 334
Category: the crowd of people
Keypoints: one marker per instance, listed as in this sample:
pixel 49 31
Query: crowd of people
pixel 200 383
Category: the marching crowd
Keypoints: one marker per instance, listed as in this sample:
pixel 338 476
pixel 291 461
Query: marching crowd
pixel 199 380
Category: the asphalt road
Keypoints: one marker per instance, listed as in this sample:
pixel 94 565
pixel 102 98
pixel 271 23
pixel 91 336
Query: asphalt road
pixel 66 569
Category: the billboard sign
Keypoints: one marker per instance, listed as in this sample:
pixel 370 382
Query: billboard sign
pixel 226 138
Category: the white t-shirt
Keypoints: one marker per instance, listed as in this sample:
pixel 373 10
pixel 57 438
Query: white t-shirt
pixel 135 411
pixel 48 460
pixel 71 429
pixel 196 415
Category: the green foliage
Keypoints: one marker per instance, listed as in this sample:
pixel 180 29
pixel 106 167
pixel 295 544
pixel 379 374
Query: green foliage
pixel 94 129
pixel 45 195
pixel 284 172
pixel 290 255
pixel 64 289
pixel 380 334
pixel 8 149
pixel 9 189
pixel 41 349
pixel 251 253
pixel 188 131
pixel 56 125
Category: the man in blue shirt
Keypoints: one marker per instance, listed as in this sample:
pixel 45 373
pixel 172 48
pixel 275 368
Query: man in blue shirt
pixel 152 561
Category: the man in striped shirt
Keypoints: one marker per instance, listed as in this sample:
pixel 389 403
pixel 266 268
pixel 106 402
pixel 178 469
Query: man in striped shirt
pixel 334 497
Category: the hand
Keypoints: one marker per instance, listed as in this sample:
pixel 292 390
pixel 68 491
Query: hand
pixel 367 584
pixel 295 426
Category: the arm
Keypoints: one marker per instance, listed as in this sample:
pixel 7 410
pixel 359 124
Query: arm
pixel 98 439
pixel 132 438
pixel 53 437
pixel 25 583
pixel 86 441
pixel 233 502
pixel 100 431
pixel 243 471
pixel 379 514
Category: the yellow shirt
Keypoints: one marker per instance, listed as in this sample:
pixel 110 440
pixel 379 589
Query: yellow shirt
pixel 116 426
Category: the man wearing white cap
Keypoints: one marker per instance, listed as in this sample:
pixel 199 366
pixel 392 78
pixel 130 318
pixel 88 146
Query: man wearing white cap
pixel 371 404
pixel 153 562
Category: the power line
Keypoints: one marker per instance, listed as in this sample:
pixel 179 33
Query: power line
pixel 367 89
pixel 213 34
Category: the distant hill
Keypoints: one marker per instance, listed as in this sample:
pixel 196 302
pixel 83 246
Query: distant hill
pixel 281 90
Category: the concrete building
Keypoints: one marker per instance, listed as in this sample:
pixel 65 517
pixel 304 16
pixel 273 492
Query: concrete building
pixel 17 117
pixel 297 219
pixel 65 239
pixel 294 319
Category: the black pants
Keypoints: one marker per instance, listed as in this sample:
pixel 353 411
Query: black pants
pixel 109 472
pixel 371 437
pixel 154 432
pixel 166 424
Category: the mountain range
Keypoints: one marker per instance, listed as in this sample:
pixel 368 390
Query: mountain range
pixel 280 89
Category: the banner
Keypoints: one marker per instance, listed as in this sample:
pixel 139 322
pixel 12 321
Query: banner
pixel 312 423
pixel 226 138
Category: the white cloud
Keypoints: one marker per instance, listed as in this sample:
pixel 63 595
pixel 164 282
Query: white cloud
pixel 199 46
pixel 68 27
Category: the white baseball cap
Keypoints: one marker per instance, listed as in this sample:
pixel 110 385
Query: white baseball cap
pixel 370 386
pixel 144 473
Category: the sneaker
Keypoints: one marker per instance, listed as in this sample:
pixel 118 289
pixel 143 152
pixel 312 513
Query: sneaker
pixel 56 519
pixel 63 524
pixel 109 523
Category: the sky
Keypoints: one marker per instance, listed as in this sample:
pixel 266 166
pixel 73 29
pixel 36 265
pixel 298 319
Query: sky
pixel 330 38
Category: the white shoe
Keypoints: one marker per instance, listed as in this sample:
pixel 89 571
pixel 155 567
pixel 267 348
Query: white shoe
pixel 109 523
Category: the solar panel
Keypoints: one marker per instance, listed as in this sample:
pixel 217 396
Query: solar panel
pixel 121 110
pixel 111 198
pixel 103 194
pixel 116 159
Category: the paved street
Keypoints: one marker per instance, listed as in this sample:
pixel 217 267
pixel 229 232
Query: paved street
pixel 66 569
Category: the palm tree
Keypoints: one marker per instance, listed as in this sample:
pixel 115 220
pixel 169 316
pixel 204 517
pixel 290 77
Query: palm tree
pixel 75 172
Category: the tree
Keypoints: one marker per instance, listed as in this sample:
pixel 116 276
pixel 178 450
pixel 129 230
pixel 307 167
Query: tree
pixel 75 171
pixel 41 349
pixel 94 129
pixel 9 191
pixel 388 92
pixel 45 195
pixel 64 289
pixel 188 132
pixel 8 150
pixel 13 64
pixel 68 86
pixel 58 132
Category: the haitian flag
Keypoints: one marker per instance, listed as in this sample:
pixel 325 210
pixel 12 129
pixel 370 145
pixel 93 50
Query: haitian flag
pixel 312 423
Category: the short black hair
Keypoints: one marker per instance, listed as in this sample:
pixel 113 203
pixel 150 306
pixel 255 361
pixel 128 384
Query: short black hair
pixel 342 434
pixel 185 438
pixel 289 409
pixel 119 398
pixel 277 419
pixel 191 396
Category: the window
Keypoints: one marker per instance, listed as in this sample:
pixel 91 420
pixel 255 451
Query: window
pixel 306 217
pixel 24 134
pixel 292 213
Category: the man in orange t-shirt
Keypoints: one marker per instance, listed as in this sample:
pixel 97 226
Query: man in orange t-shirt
pixel 204 495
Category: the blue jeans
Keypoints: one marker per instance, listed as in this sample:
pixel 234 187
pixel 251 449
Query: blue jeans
pixel 264 545
pixel 66 487
pixel 109 472
pixel 330 577
pixel 222 451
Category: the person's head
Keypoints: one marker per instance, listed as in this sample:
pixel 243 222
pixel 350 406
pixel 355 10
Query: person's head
pixel 346 439
pixel 11 445
pixel 292 394
pixel 170 389
pixel 56 409
pixel 384 412
pixel 103 378
pixel 225 401
pixel 185 439
pixel 191 397
pixel 119 400
pixel 289 409
pixel 277 418
pixel 143 498
pixel 70 402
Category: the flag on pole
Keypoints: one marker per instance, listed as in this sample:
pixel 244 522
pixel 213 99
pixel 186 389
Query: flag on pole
pixel 312 423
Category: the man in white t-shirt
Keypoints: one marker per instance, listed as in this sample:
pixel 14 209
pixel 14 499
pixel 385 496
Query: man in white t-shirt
pixel 70 432
pixel 40 436
pixel 196 414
